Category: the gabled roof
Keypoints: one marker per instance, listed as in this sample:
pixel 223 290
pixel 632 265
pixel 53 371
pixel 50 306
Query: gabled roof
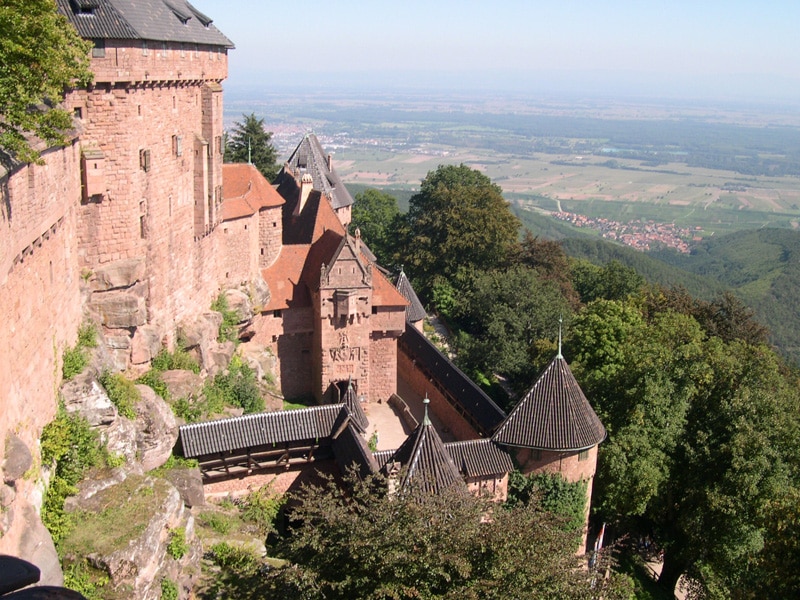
pixel 350 449
pixel 309 157
pixel 472 401
pixel 245 191
pixel 553 415
pixel 157 20
pixel 353 405
pixel 427 465
pixel 258 429
pixel 479 458
pixel 414 311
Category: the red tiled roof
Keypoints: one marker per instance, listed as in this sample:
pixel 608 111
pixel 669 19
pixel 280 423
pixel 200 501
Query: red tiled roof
pixel 384 293
pixel 284 277
pixel 245 191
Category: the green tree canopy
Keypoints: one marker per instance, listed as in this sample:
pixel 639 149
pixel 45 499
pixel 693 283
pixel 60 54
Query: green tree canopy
pixel 364 543
pixel 375 213
pixel 503 314
pixel 250 142
pixel 41 56
pixel 701 443
pixel 458 222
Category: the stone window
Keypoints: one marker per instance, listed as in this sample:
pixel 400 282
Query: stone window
pixel 144 159
pixel 145 49
pixel 583 455
pixel 177 145
pixel 276 314
pixel 99 48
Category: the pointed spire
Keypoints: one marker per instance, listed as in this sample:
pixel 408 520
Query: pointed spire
pixel 560 322
pixel 425 419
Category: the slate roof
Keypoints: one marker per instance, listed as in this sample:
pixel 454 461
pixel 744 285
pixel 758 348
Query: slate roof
pixel 309 157
pixel 474 401
pixel 428 466
pixel 157 20
pixel 258 429
pixel 414 311
pixel 349 449
pixel 353 405
pixel 553 415
pixel 479 458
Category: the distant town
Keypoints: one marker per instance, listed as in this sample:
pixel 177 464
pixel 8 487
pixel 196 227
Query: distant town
pixel 641 235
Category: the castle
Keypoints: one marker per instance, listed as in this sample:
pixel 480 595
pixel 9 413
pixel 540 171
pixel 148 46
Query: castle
pixel 138 222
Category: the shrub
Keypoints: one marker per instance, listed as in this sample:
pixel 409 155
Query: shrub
pixel 153 380
pixel 87 335
pixel 217 522
pixel 169 589
pixel 76 358
pixel 177 359
pixel 177 546
pixel 75 361
pixel 229 328
pixel 73 445
pixel 261 507
pixel 236 387
pixel 122 392
pixel 242 561
pixel 188 411
pixel 85 579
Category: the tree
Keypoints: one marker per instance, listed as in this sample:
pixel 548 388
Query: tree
pixel 549 260
pixel 504 313
pixel 249 142
pixel 457 223
pixel 701 443
pixel 41 56
pixel 614 281
pixel 374 214
pixel 365 543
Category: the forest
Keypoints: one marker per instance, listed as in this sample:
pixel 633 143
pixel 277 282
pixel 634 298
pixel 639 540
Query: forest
pixel 702 413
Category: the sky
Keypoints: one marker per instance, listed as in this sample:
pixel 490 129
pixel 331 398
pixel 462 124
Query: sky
pixel 674 48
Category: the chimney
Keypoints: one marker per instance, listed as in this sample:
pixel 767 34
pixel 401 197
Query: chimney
pixel 358 240
pixel 306 185
pixel 330 162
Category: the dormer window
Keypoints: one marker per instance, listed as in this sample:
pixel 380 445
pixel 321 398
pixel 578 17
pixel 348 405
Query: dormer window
pixel 179 10
pixel 84 7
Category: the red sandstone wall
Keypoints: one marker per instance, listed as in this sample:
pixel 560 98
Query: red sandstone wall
pixel 420 383
pixel 382 367
pixel 566 463
pixel 241 244
pixel 40 303
pixel 270 236
pixel 178 62
pixel 161 102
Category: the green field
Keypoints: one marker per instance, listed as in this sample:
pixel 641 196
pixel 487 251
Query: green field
pixel 717 201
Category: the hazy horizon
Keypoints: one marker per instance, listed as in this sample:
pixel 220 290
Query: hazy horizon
pixel 725 51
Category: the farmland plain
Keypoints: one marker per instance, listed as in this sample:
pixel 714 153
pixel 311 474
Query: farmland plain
pixel 708 168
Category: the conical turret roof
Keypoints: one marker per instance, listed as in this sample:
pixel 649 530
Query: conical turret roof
pixel 428 465
pixel 553 415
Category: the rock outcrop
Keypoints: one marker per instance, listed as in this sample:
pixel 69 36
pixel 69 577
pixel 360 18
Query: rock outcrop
pixel 128 530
